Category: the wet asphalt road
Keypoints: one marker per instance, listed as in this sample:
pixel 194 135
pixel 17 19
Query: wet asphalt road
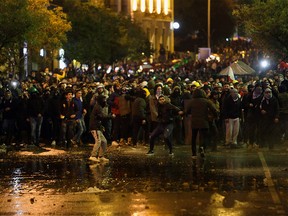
pixel 52 181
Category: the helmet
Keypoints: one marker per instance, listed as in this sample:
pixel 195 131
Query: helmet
pixel 32 90
pixel 147 93
pixel 169 80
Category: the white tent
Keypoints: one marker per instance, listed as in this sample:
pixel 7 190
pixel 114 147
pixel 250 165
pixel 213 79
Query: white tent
pixel 237 68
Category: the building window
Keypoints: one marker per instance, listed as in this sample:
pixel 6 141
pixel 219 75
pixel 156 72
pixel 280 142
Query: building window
pixel 143 6
pixel 134 5
pixel 158 6
pixel 166 7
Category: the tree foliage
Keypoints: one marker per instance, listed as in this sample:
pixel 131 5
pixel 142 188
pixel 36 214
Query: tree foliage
pixel 15 22
pixel 266 22
pixel 101 36
pixel 50 25
pixel 32 22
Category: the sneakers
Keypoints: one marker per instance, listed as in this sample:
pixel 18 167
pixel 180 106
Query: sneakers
pixel 129 141
pixel 114 143
pixel 255 146
pixel 53 143
pixel 150 152
pixel 74 143
pixel 194 157
pixel 94 159
pixel 171 154
pixel 103 159
pixel 122 142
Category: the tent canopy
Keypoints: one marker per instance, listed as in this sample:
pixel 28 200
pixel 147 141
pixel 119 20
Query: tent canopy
pixel 238 68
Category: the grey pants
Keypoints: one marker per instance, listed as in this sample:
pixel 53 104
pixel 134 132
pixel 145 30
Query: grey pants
pixel 100 141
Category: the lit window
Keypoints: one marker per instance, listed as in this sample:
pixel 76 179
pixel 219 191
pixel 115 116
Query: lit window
pixel 158 6
pixel 134 5
pixel 151 6
pixel 166 6
pixel 143 6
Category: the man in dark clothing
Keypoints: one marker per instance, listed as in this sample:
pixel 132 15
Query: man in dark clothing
pixel 98 115
pixel 251 106
pixel 68 111
pixel 283 111
pixel 35 109
pixel 166 111
pixel 139 118
pixel 199 107
pixel 177 100
pixel 269 110
pixel 8 108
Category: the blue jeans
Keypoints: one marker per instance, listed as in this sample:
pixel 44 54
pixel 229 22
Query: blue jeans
pixel 67 131
pixel 162 128
pixel 35 123
pixel 80 129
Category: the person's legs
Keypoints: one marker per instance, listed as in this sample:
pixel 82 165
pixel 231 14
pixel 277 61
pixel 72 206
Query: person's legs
pixel 155 133
pixel 235 130
pixel 228 124
pixel 168 136
pixel 97 143
pixel 194 139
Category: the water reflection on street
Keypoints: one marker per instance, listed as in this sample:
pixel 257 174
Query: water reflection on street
pixel 230 177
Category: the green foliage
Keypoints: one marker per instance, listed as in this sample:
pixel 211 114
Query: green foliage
pixel 15 22
pixel 266 22
pixel 101 36
pixel 32 22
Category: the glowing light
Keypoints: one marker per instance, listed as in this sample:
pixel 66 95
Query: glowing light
pixel 143 6
pixel 176 25
pixel 109 70
pixel 264 63
pixel 166 7
pixel 158 6
pixel 61 61
pixel 25 51
pixel 151 6
pixel 134 5
pixel 42 52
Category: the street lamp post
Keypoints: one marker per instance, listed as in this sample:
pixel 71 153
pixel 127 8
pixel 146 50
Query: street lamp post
pixel 208 35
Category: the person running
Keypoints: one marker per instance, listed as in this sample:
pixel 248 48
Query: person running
pixel 95 124
pixel 166 112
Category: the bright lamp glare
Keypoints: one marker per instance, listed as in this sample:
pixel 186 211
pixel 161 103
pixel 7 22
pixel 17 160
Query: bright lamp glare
pixel 176 25
pixel 264 63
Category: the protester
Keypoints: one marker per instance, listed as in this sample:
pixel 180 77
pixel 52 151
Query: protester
pixel 35 110
pixel 269 110
pixel 68 111
pixel 231 113
pixel 96 128
pixel 80 123
pixel 166 112
pixel 199 107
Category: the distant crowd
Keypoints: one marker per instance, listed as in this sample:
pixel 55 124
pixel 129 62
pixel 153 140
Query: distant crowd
pixel 129 107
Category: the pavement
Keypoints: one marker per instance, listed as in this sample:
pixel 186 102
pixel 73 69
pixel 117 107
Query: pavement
pixel 53 181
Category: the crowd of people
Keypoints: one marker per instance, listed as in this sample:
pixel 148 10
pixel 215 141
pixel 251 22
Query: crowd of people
pixel 186 106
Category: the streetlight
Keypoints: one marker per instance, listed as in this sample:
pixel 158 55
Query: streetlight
pixel 176 25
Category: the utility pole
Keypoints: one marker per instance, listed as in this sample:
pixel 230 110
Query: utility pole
pixel 209 14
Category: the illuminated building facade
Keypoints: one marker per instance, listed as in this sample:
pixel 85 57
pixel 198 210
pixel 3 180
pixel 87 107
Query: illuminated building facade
pixel 155 17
